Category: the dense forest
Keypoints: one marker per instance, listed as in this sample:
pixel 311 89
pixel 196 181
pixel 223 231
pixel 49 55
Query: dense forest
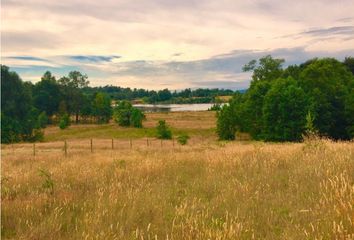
pixel 284 104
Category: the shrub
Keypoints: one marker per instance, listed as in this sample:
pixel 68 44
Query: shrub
pixel 163 131
pixel 215 107
pixel 182 139
pixel 225 127
pixel 127 115
pixel 136 118
pixel 64 121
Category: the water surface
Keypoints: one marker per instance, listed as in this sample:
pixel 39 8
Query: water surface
pixel 174 107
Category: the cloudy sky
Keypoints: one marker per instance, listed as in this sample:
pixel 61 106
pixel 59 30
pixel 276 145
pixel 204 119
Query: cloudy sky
pixel 176 44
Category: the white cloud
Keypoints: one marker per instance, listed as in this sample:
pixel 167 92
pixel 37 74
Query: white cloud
pixel 147 34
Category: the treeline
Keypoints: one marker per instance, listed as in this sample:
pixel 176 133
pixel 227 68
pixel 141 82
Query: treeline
pixel 162 96
pixel 27 108
pixel 283 104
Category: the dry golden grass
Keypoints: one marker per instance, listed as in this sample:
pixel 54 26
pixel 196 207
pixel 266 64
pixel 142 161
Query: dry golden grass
pixel 205 190
pixel 183 120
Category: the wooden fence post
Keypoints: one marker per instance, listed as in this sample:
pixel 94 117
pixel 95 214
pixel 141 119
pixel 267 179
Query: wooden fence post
pixel 65 148
pixel 147 141
pixel 91 146
pixel 34 149
pixel 112 143
pixel 131 143
pixel 161 142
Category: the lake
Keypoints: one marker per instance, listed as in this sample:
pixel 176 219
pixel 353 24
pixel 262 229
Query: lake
pixel 173 107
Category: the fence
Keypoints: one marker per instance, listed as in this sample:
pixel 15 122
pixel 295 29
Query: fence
pixel 67 147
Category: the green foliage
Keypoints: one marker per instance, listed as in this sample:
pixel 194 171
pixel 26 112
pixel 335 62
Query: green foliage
pixel 42 120
pixel 48 182
pixel 37 136
pixel 230 118
pixel 71 88
pixel 183 139
pixel 136 118
pixel 349 113
pixel 18 116
pixel 226 127
pixel 101 108
pixel 215 107
pixel 328 83
pixel 46 94
pixel 284 111
pixel 126 115
pixel 62 108
pixel 268 68
pixel 122 113
pixel 281 105
pixel 64 121
pixel 309 126
pixel 349 63
pixel 163 130
pixel 253 108
pixel 162 96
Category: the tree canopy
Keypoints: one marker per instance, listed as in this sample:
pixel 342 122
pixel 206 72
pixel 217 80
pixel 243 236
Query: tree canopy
pixel 275 106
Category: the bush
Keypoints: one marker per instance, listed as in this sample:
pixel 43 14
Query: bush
pixel 136 118
pixel 182 139
pixel 127 115
pixel 163 131
pixel 215 107
pixel 225 126
pixel 42 120
pixel 64 121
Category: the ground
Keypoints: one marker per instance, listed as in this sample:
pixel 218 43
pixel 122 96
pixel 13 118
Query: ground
pixel 150 189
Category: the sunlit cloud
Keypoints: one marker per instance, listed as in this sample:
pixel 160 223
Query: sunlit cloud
pixel 167 43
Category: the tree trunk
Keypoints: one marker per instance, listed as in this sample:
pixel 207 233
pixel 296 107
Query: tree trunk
pixel 77 118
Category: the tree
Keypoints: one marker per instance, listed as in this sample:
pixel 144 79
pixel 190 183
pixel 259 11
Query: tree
pixel 136 118
pixel 328 83
pixel 163 130
pixel 101 108
pixel 253 108
pixel 230 118
pixel 226 127
pixel 71 88
pixel 126 115
pixel 349 63
pixel 18 116
pixel 268 68
pixel 349 113
pixel 284 111
pixel 164 95
pixel 122 113
pixel 64 121
pixel 42 120
pixel 46 94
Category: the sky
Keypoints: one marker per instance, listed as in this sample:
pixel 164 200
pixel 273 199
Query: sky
pixel 175 44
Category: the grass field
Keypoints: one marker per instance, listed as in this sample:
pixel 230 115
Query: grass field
pixel 204 190
pixel 198 124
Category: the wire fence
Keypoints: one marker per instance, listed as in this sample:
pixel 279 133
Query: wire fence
pixel 67 147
